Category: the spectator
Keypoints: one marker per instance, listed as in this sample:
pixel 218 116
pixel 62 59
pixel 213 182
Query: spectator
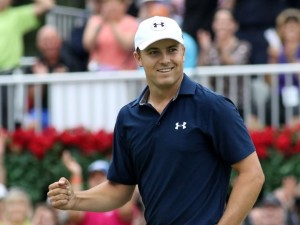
pixel 288 29
pixel 286 194
pixel 149 8
pixel 17 208
pixel 15 22
pixel 225 49
pixel 270 212
pixel 54 58
pixel 108 37
pixel 97 171
pixel 44 215
pixel 255 17
pixel 198 14
pixel 75 42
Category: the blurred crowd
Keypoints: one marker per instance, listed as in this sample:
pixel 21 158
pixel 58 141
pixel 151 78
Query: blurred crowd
pixel 216 32
pixel 17 207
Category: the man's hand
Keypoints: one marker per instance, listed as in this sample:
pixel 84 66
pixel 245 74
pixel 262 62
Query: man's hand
pixel 61 194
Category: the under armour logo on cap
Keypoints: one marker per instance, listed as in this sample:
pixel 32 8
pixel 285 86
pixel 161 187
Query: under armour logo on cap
pixel 157 28
pixel 158 24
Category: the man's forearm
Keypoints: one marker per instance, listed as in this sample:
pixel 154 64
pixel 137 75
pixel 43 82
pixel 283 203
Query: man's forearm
pixel 103 197
pixel 242 198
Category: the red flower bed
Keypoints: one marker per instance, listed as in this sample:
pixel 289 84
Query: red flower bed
pixel 285 141
pixel 38 143
pixel 31 153
pixel 279 153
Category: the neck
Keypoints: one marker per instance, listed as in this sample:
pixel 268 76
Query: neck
pixel 160 97
pixel 52 61
pixel 225 41
pixel 292 44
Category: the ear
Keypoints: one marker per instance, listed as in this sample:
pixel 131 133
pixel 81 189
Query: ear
pixel 137 57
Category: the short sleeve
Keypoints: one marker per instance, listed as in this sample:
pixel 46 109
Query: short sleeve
pixel 28 18
pixel 229 134
pixel 121 169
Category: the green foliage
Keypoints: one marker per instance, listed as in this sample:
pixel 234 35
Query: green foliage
pixel 25 170
pixel 277 166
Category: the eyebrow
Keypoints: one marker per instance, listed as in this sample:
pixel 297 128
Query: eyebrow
pixel 155 48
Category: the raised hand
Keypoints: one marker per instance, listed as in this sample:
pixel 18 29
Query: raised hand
pixel 3 136
pixel 71 164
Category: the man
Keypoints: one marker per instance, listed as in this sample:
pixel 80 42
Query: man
pixel 54 57
pixel 261 16
pixel 178 142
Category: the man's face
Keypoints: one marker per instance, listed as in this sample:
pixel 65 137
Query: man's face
pixel 49 44
pixel 163 63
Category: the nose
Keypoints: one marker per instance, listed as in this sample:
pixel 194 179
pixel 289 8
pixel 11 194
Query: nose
pixel 165 58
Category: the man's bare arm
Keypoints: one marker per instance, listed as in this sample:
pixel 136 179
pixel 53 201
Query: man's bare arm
pixel 246 189
pixel 106 196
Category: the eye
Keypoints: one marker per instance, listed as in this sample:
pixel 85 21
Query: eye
pixel 173 50
pixel 153 52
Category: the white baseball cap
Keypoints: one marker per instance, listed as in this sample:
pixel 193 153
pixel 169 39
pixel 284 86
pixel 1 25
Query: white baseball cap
pixel 157 28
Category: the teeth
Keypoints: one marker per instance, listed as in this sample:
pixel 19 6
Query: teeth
pixel 165 70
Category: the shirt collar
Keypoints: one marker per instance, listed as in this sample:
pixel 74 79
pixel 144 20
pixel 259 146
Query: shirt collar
pixel 187 87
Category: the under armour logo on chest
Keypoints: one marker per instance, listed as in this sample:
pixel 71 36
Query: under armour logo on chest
pixel 162 24
pixel 183 125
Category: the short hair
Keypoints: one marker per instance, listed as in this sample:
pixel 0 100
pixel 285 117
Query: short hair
pixel 18 194
pixel 287 15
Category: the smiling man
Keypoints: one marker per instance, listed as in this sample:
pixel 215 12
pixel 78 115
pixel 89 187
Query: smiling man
pixel 178 142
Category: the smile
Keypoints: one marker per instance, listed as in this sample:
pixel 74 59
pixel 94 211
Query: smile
pixel 165 70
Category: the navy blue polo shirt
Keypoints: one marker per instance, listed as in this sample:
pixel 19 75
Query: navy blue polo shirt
pixel 180 158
